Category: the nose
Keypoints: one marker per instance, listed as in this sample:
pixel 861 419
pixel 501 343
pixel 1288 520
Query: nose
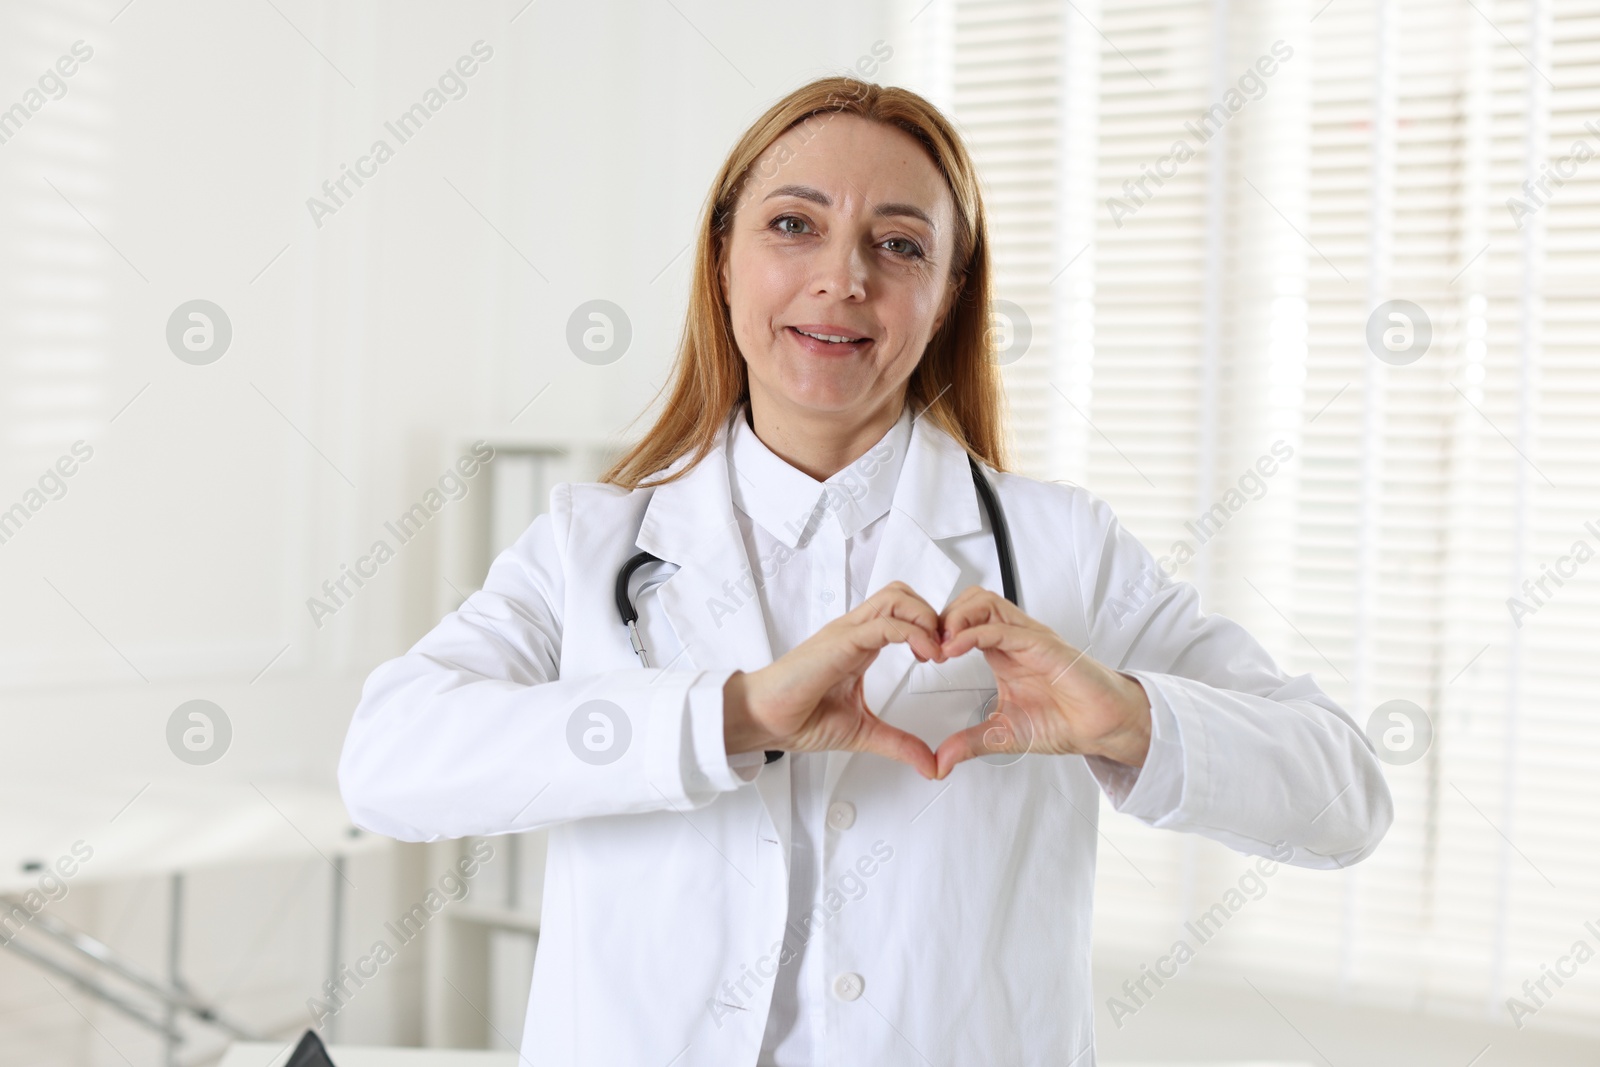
pixel 840 270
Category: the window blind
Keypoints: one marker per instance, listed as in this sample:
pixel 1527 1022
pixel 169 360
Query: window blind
pixel 1191 312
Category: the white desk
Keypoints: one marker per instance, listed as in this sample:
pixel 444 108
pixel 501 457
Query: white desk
pixel 130 828
pixel 257 1054
pixel 93 767
pixel 138 827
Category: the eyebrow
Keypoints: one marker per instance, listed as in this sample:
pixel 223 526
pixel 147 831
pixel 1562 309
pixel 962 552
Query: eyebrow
pixel 817 196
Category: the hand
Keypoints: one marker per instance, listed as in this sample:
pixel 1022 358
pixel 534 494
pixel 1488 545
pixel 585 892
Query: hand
pixel 811 700
pixel 1054 699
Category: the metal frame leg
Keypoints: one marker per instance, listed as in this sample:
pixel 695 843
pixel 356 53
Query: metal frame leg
pixel 513 871
pixel 335 936
pixel 174 956
pixel 173 995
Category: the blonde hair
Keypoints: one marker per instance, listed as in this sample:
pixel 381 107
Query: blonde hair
pixel 956 385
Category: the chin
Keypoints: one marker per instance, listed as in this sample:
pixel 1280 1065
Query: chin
pixel 823 394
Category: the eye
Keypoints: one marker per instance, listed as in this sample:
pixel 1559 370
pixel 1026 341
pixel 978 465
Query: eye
pixel 777 223
pixel 912 251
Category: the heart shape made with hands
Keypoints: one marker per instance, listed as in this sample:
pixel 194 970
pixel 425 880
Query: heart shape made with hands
pixel 1052 698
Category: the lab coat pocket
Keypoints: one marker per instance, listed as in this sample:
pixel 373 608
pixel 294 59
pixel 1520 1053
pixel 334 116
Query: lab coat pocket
pixel 966 672
pixel 943 698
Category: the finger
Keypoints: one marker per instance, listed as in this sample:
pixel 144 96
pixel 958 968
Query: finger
pixel 898 600
pixel 991 637
pixel 881 739
pixel 1000 733
pixel 908 618
pixel 879 631
pixel 958 748
pixel 976 605
pixel 898 589
pixel 965 611
pixel 844 649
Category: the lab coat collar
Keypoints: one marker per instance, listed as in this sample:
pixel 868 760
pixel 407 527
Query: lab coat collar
pixel 711 603
pixel 693 517
pixel 788 503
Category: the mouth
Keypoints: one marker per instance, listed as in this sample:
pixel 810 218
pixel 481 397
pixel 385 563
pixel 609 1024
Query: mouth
pixel 828 342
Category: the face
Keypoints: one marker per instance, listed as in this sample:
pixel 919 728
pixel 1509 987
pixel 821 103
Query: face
pixel 843 228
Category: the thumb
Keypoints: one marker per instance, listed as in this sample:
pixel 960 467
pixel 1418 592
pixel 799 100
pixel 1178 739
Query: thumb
pixel 1008 731
pixel 881 739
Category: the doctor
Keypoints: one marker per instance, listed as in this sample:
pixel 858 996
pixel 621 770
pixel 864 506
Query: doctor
pixel 911 880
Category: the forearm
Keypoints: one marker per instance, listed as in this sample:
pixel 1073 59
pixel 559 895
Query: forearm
pixel 1129 744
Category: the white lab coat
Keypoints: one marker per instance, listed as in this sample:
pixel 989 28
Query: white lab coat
pixel 958 931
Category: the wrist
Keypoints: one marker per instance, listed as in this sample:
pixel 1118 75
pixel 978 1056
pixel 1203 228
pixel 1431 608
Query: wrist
pixel 741 732
pixel 1130 743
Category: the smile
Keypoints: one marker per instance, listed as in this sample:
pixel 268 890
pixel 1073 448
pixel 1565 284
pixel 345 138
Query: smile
pixel 828 343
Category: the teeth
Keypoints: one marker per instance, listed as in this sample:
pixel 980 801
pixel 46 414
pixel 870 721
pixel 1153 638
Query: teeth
pixel 831 338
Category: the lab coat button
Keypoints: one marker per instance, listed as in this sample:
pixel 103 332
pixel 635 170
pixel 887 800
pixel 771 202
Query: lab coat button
pixel 842 815
pixel 848 986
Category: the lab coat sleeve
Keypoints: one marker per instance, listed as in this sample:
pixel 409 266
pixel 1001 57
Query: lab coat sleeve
pixel 1241 753
pixel 472 731
pixel 723 771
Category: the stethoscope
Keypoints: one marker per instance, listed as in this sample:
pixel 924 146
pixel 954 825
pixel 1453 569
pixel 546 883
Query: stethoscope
pixel 997 525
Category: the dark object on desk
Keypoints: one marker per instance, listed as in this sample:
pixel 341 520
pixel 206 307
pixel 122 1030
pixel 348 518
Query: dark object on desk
pixel 310 1052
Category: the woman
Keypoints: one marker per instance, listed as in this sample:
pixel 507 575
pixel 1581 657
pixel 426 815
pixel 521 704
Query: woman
pixel 827 589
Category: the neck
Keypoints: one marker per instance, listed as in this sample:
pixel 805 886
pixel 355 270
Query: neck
pixel 820 444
